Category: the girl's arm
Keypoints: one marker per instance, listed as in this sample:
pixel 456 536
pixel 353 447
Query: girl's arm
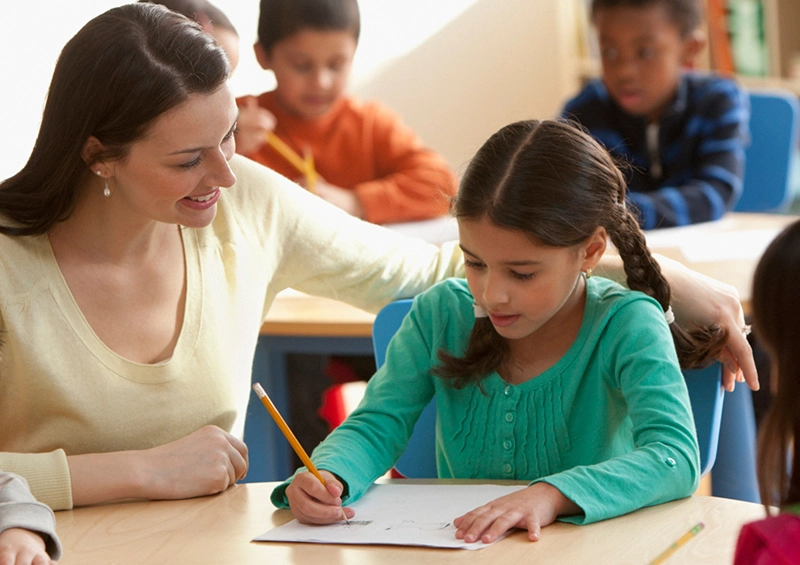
pixel 702 300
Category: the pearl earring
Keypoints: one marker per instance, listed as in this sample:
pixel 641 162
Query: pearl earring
pixel 106 190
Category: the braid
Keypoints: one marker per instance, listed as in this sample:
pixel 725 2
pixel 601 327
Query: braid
pixel 486 352
pixel 695 348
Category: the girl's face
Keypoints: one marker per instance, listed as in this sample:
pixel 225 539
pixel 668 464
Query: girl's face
pixel 175 173
pixel 311 69
pixel 525 288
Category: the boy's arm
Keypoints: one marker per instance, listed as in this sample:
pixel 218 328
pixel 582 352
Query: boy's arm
pixel 19 509
pixel 717 169
pixel 413 181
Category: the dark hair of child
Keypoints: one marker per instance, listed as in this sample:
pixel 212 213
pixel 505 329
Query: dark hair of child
pixel 195 9
pixel 776 322
pixel 686 14
pixel 279 19
pixel 555 183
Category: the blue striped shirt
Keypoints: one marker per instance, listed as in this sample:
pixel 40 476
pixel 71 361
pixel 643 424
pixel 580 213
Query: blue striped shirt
pixel 702 137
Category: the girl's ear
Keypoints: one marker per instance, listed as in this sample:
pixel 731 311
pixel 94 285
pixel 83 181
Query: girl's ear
pixel 91 149
pixel 262 56
pixel 692 47
pixel 594 248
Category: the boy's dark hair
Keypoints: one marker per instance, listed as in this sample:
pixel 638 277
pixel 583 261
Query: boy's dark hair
pixel 776 304
pixel 279 19
pixel 686 14
pixel 554 183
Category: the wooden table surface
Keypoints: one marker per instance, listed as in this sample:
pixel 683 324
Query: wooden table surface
pixel 219 529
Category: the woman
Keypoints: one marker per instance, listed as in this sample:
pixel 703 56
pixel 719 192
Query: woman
pixel 133 286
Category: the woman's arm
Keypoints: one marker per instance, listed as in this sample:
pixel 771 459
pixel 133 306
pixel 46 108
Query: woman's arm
pixel 205 462
pixel 702 300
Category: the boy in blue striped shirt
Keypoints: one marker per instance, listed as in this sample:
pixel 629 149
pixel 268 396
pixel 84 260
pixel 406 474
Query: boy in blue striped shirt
pixel 683 133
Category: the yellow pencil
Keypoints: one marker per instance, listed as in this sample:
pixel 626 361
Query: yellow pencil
pixel 301 453
pixel 675 546
pixel 287 152
pixel 303 165
pixel 311 172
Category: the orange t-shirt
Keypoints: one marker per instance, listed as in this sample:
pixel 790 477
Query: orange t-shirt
pixel 363 146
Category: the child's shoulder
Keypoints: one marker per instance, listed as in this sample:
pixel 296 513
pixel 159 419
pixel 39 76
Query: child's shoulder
pixel 709 89
pixel 610 299
pixel 593 93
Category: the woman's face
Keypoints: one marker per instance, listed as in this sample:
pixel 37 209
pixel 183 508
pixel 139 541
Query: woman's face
pixel 175 173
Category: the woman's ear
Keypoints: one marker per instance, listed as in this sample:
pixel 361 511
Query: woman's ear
pixel 262 56
pixel 91 150
pixel 594 248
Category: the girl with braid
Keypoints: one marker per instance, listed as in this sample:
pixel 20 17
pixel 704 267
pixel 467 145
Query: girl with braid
pixel 541 371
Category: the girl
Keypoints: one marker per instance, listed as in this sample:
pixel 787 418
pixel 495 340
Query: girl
pixel 27 527
pixel 776 304
pixel 541 372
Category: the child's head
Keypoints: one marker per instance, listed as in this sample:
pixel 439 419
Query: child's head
pixel 555 185
pixel 212 19
pixel 309 45
pixel 644 45
pixel 776 321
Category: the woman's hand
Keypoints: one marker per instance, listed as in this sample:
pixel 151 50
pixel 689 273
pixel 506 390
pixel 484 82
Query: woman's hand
pixel 314 503
pixel 22 547
pixel 698 299
pixel 205 462
pixel 531 508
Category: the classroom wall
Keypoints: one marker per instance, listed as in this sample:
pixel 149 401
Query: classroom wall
pixel 498 62
pixel 455 70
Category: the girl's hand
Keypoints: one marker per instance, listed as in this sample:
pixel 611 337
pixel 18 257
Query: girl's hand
pixel 23 547
pixel 252 126
pixel 314 503
pixel 531 508
pixel 205 462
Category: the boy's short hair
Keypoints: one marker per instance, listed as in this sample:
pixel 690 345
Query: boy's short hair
pixel 686 14
pixel 279 19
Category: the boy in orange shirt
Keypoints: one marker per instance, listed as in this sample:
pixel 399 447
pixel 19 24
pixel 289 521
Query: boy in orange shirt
pixel 368 163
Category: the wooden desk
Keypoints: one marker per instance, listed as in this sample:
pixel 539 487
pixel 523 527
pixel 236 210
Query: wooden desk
pixel 730 267
pixel 217 530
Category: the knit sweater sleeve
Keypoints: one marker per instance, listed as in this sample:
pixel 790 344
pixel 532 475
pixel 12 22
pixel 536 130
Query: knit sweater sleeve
pixel 46 473
pixel 413 181
pixel 665 463
pixel 372 438
pixel 19 509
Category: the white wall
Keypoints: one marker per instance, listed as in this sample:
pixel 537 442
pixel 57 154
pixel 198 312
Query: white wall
pixel 456 70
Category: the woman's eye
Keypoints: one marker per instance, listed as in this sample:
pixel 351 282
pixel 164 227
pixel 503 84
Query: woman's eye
pixel 191 164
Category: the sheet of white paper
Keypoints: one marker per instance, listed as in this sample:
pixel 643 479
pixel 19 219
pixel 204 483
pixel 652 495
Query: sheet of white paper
pixel 713 243
pixel 396 514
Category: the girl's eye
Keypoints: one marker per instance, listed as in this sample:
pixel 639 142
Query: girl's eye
pixel 472 264
pixel 231 133
pixel 522 276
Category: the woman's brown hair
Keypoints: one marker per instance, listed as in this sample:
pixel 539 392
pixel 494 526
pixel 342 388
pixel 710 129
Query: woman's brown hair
pixel 553 182
pixel 119 73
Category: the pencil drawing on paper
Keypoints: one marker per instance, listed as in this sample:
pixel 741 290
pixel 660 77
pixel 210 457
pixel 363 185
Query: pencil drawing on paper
pixel 414 525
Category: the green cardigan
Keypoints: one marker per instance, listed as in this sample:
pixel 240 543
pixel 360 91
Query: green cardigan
pixel 609 425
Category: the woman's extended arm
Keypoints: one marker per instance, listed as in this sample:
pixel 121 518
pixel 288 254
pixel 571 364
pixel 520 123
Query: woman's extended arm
pixel 700 299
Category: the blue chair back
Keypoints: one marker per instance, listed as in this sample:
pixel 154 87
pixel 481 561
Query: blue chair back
pixel 419 459
pixel 774 118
